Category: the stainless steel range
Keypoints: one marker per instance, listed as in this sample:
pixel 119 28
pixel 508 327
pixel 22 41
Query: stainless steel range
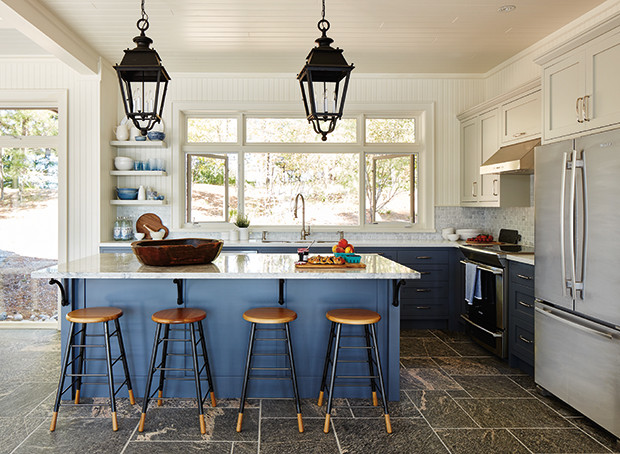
pixel 485 311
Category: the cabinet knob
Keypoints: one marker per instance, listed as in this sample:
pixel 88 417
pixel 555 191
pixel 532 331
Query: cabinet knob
pixel 527 341
pixel 527 278
pixel 579 109
pixel 525 304
pixel 423 290
pixel 519 134
pixel 473 189
pixel 423 257
pixel 586 108
pixel 423 307
pixel 495 187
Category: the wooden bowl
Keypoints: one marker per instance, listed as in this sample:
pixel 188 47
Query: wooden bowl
pixel 184 251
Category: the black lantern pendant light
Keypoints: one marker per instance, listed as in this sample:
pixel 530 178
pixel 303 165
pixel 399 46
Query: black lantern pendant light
pixel 324 81
pixel 143 80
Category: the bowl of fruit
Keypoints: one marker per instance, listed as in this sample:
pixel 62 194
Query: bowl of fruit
pixel 481 239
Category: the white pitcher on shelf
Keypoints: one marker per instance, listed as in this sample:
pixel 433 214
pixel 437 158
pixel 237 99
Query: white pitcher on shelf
pixel 121 132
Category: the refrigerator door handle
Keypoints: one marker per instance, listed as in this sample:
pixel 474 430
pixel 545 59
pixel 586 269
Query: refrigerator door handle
pixel 571 215
pixel 587 329
pixel 565 284
pixel 581 284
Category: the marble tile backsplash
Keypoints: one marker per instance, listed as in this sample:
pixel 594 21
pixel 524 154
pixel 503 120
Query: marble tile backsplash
pixel 490 220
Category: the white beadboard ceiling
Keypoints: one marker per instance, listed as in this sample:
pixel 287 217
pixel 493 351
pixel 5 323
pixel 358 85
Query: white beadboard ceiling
pixel 386 36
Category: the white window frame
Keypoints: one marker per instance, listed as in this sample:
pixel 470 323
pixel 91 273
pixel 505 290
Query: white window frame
pixel 423 148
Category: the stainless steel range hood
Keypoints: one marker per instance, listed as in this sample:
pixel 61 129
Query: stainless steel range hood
pixel 512 159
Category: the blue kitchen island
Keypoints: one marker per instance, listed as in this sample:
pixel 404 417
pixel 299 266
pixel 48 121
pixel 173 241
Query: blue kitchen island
pixel 225 289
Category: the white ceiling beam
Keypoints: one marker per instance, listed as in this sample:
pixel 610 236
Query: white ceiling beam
pixel 38 23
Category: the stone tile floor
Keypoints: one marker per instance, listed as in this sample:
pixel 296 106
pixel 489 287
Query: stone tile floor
pixel 455 399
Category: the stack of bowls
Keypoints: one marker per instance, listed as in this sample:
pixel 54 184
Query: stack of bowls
pixel 123 163
pixel 468 233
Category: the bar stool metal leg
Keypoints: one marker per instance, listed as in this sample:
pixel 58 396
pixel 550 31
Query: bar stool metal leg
pixel 63 374
pixel 332 380
pixel 388 424
pixel 205 356
pixel 327 357
pixel 201 416
pixel 300 423
pixel 245 377
pixel 373 386
pixel 162 370
pixel 149 379
pixel 80 365
pixel 121 346
pixel 108 354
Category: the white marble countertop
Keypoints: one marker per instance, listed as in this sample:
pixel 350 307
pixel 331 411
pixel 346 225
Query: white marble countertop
pixel 294 245
pixel 227 266
pixel 528 259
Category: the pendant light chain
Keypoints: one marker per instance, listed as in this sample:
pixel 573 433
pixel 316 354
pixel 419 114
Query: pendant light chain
pixel 143 22
pixel 323 12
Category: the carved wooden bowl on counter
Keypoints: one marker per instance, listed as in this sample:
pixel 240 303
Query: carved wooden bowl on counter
pixel 184 251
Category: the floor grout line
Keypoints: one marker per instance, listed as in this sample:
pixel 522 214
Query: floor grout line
pixel 519 440
pixel 27 437
pixel 130 437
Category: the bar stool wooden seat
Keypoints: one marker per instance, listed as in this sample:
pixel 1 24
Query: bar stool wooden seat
pixel 85 317
pixel 270 316
pixel 367 319
pixel 180 316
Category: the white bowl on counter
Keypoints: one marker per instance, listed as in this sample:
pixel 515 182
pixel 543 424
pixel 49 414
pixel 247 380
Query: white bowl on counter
pixel 453 236
pixel 447 231
pixel 468 233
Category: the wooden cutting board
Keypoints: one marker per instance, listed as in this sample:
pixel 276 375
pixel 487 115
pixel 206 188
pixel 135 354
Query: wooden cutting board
pixel 317 266
pixel 153 222
pixel 490 243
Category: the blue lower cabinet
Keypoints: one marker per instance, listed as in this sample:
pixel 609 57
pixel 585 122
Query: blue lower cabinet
pixel 521 316
pixel 227 333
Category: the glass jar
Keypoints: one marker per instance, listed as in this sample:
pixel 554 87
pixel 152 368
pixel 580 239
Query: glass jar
pixel 118 229
pixel 127 228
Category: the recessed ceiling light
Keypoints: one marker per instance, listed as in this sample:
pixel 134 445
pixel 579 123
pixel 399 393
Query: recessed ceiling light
pixel 506 8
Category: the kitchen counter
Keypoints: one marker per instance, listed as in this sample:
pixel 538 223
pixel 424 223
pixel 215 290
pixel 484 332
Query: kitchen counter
pixel 258 244
pixel 528 259
pixel 225 289
pixel 226 266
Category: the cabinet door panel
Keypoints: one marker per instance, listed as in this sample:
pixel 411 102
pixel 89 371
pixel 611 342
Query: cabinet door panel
pixel 564 83
pixel 489 144
pixel 521 118
pixel 470 161
pixel 603 104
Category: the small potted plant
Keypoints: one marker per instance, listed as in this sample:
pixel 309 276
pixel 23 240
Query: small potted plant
pixel 242 224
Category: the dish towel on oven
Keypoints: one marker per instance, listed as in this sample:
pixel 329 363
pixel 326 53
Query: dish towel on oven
pixel 472 283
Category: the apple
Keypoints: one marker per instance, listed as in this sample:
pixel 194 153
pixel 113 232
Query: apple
pixel 343 243
pixel 349 249
pixel 334 247
pixel 340 250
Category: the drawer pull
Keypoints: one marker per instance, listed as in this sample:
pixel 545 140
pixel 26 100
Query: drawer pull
pixel 527 278
pixel 423 307
pixel 423 257
pixel 519 134
pixel 423 290
pixel 424 272
pixel 527 341
pixel 529 306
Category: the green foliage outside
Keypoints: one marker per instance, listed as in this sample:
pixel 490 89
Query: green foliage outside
pixel 28 167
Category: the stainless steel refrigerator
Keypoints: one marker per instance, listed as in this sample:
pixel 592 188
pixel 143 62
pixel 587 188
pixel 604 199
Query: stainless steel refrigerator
pixel 577 286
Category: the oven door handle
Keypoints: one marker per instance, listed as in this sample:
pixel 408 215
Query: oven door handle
pixel 488 268
pixel 464 317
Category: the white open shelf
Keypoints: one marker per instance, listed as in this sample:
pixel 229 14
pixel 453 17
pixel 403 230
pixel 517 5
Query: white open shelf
pixel 136 144
pixel 138 173
pixel 137 202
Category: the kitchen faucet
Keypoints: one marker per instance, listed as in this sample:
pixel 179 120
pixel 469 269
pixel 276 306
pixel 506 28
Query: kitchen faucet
pixel 304 232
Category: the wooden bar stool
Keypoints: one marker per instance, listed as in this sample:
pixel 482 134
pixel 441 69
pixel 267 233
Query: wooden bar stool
pixel 367 318
pixel 86 317
pixel 270 316
pixel 180 316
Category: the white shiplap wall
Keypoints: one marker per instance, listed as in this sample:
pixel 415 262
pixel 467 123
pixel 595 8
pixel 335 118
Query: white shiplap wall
pixel 450 95
pixel 83 141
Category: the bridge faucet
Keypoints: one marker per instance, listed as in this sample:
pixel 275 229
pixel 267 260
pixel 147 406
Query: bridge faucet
pixel 305 232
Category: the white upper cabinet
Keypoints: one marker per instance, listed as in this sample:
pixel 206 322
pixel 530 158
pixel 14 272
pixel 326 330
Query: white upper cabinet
pixel 581 92
pixel 470 161
pixel 489 144
pixel 521 119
